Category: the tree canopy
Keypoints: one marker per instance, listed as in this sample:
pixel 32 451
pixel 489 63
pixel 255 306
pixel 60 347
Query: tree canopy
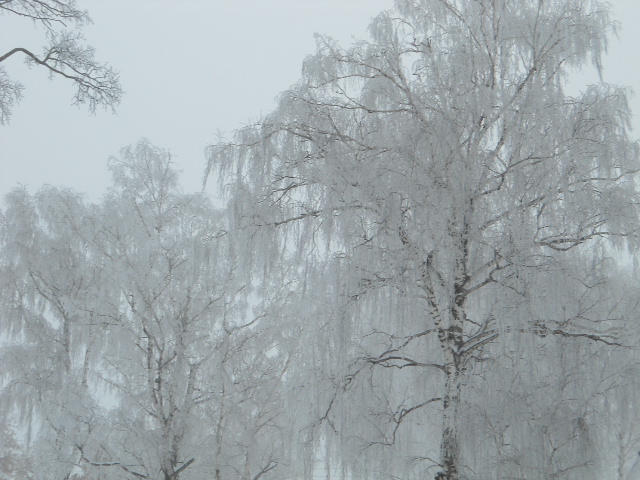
pixel 458 206
pixel 130 343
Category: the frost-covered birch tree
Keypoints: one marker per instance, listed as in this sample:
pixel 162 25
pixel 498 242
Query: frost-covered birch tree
pixel 50 324
pixel 134 350
pixel 450 205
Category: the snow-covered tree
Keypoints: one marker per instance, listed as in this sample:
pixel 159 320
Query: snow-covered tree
pixel 135 350
pixel 449 204
pixel 50 293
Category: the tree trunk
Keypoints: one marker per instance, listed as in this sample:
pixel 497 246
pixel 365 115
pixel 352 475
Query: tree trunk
pixel 450 443
pixel 452 342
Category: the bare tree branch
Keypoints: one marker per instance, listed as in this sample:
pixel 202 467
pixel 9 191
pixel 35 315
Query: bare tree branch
pixel 97 84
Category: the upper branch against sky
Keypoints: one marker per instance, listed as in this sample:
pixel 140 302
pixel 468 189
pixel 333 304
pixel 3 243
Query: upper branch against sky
pixel 64 55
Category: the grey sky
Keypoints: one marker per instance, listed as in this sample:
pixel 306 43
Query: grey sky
pixel 192 69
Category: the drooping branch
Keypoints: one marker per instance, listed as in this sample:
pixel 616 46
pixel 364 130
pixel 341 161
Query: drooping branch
pixel 270 466
pixel 400 362
pixel 399 416
pixel 182 468
pixel 606 339
pixel 126 468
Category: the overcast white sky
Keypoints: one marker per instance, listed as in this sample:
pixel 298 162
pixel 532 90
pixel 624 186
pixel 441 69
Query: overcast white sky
pixel 192 69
